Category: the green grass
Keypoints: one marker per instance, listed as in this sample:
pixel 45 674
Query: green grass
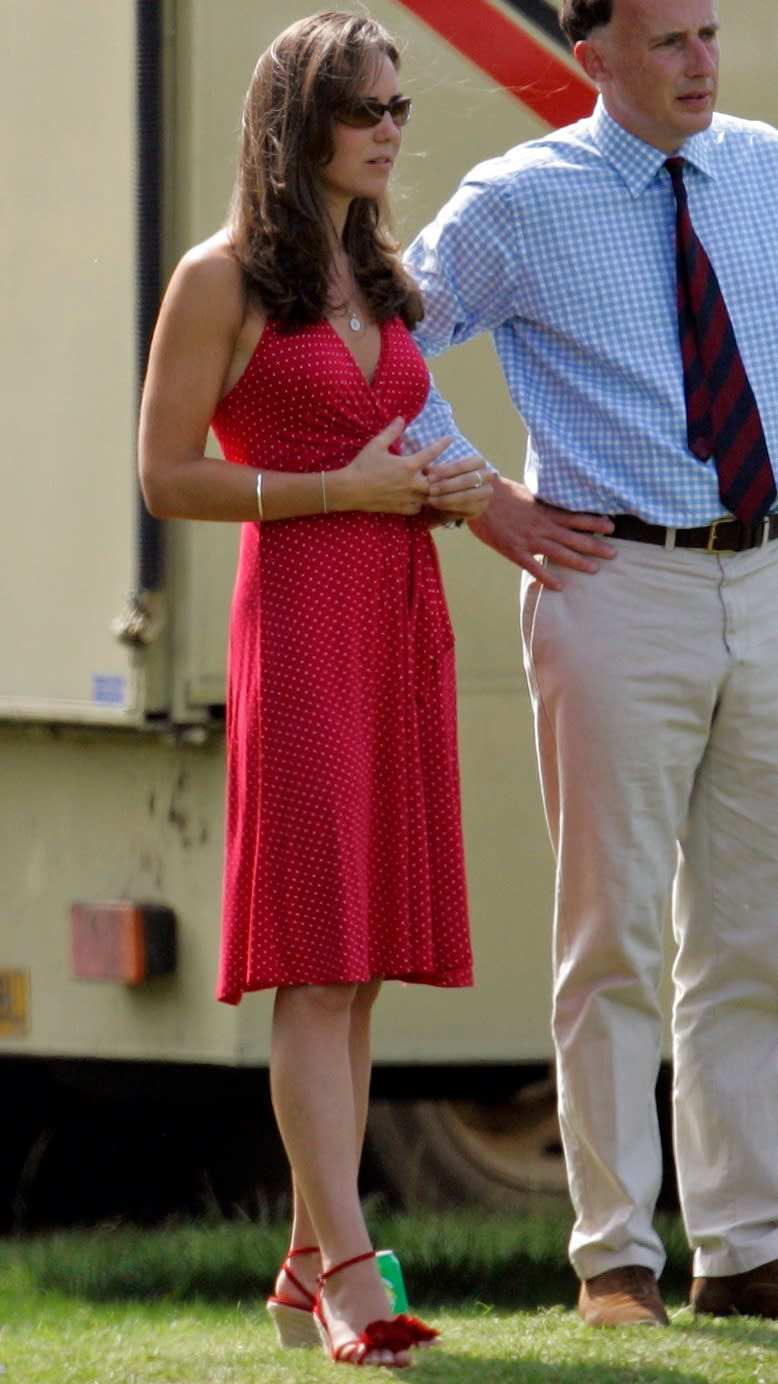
pixel 509 1261
pixel 184 1305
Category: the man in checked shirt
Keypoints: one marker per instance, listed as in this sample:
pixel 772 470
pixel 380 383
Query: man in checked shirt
pixel 650 636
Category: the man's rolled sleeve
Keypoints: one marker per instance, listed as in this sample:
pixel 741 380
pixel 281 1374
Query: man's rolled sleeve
pixel 461 263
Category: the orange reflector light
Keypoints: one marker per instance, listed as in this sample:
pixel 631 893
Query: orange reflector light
pixel 122 940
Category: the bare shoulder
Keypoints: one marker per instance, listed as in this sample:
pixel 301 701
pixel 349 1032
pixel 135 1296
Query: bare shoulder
pixel 205 323
pixel 214 255
pixel 207 280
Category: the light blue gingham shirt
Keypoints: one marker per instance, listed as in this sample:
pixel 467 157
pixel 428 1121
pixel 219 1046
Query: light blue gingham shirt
pixel 564 249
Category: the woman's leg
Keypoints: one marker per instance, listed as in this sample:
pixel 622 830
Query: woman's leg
pixel 320 1108
pixel 303 1231
pixel 360 1055
pixel 307 1267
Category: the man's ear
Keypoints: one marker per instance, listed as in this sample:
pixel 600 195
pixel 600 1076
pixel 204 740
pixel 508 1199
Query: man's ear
pixel 589 56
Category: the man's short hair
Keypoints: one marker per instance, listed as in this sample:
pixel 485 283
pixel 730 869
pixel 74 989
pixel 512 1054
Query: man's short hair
pixel 579 17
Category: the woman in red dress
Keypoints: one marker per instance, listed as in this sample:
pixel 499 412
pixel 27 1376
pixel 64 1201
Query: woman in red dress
pixel 289 331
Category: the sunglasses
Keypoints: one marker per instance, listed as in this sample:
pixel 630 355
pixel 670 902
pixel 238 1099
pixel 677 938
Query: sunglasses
pixel 366 112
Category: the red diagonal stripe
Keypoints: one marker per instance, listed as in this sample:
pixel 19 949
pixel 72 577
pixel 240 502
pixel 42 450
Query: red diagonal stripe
pixel 535 77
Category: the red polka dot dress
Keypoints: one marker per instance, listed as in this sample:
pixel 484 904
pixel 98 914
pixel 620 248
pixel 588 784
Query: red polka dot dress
pixel 343 857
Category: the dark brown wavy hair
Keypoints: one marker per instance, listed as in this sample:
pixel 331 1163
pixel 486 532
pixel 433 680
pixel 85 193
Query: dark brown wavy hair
pixel 278 224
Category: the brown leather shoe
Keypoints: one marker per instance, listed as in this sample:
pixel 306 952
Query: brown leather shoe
pixel 622 1297
pixel 750 1294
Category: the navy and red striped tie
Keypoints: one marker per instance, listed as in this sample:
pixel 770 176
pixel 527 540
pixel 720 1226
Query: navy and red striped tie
pixel 722 415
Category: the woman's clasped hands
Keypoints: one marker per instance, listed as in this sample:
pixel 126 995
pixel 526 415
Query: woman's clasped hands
pixel 460 489
pixel 385 482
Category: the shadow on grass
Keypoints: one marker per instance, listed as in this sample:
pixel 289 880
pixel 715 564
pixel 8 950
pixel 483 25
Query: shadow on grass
pixel 522 1371
pixel 751 1331
pixel 519 1283
pixel 515 1263
pixel 512 1263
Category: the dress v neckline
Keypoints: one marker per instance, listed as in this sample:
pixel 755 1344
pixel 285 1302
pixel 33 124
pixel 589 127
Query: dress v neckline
pixel 371 384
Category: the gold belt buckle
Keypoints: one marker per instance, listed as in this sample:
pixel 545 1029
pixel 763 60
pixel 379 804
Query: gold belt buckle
pixel 710 546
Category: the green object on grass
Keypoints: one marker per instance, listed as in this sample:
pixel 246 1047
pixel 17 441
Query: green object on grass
pixel 392 1276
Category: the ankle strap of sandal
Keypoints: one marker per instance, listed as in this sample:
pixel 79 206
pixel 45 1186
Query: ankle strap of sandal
pixel 345 1264
pixel 306 1249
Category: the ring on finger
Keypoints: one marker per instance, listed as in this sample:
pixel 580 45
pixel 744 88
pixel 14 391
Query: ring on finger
pixel 477 483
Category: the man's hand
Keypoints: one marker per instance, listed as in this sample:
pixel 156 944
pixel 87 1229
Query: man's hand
pixel 523 529
pixel 460 489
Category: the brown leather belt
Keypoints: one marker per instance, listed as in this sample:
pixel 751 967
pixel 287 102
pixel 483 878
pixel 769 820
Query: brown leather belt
pixel 722 536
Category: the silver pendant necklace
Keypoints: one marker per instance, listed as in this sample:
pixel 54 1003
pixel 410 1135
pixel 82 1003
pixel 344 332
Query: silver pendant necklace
pixel 350 313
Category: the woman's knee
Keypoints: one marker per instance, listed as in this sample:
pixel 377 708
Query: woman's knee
pixel 316 1000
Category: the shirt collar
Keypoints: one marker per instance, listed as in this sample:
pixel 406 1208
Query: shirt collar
pixel 637 162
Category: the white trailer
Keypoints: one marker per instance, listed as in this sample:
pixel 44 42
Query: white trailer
pixel 119 141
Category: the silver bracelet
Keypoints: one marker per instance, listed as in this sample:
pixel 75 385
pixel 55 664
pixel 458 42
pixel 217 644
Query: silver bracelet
pixel 324 509
pixel 260 510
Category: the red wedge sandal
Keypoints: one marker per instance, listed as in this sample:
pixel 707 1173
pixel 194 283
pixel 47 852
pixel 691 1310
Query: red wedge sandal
pixel 294 1323
pixel 396 1334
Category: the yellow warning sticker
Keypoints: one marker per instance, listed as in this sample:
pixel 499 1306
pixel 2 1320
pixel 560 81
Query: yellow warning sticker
pixel 14 1002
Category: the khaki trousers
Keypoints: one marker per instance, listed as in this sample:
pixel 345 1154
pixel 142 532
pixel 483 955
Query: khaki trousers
pixel 655 689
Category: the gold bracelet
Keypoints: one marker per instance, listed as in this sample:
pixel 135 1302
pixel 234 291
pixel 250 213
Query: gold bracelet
pixel 324 509
pixel 260 510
